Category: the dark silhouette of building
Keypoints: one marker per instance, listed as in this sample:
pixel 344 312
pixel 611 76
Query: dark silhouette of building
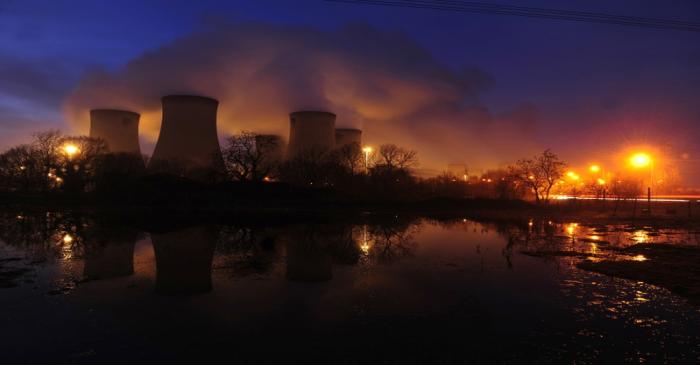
pixel 310 131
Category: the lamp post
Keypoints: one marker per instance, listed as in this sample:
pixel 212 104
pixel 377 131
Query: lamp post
pixel 70 150
pixel 642 160
pixel 367 150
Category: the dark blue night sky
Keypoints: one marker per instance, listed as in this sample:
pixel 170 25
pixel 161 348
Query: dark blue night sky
pixel 594 87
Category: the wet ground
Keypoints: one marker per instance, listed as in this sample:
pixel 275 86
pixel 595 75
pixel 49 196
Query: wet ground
pixel 75 289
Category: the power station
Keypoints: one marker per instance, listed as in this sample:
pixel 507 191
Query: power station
pixel 118 128
pixel 310 131
pixel 347 136
pixel 188 135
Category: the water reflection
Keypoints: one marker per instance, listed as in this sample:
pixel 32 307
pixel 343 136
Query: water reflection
pixel 184 260
pixel 366 278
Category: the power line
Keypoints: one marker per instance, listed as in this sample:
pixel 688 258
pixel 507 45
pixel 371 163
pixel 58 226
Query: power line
pixel 533 12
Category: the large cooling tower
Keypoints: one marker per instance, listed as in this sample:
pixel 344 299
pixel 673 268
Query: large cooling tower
pixel 347 136
pixel 118 128
pixel 188 133
pixel 311 131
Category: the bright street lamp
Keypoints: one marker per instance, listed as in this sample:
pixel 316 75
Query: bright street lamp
pixel 642 160
pixel 367 150
pixel 70 150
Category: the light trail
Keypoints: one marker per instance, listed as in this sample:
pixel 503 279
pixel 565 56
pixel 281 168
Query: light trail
pixel 664 199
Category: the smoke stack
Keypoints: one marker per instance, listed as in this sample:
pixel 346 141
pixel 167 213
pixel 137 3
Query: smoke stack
pixel 188 135
pixel 311 131
pixel 118 128
pixel 347 136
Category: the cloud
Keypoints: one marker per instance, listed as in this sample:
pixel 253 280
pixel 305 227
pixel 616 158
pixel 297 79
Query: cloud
pixel 381 81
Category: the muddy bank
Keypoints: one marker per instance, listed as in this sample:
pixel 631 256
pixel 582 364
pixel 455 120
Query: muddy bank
pixel 676 268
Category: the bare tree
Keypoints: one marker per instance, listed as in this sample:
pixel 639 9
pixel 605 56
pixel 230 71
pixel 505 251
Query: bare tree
pixel 393 157
pixel 78 161
pixel 539 174
pixel 250 157
pixel 350 157
pixel 18 170
pixel 45 149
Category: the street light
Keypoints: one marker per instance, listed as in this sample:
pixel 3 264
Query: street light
pixel 594 169
pixel 642 160
pixel 70 150
pixel 367 150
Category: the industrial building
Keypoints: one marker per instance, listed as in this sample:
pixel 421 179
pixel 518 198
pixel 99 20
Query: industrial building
pixel 188 136
pixel 118 128
pixel 310 131
pixel 347 136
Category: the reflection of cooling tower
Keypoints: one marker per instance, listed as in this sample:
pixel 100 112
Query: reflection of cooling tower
pixel 311 131
pixel 118 128
pixel 188 133
pixel 346 136
pixel 308 263
pixel 111 260
pixel 309 257
pixel 273 147
pixel 183 260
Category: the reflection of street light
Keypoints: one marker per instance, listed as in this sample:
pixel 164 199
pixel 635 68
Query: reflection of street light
pixel 367 150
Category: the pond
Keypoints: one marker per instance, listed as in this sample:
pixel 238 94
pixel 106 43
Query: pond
pixel 81 288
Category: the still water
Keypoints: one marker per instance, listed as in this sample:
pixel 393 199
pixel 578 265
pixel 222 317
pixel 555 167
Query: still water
pixel 82 289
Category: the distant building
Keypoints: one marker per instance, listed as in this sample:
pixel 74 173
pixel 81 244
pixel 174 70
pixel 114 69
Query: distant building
pixel 310 131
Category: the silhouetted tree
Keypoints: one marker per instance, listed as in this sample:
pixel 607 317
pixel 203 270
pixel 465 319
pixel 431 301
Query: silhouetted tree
pixel 539 174
pixel 308 168
pixel 392 157
pixel 250 157
pixel 80 167
pixel 350 157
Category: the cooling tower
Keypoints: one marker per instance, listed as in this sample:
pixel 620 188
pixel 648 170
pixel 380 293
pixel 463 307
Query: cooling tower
pixel 347 136
pixel 311 131
pixel 188 136
pixel 118 128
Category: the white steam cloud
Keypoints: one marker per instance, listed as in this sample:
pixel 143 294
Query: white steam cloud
pixel 382 82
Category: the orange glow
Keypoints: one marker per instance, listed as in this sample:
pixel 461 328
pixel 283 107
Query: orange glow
pixel 594 169
pixel 640 160
pixel 601 181
pixel 572 175
pixel 70 149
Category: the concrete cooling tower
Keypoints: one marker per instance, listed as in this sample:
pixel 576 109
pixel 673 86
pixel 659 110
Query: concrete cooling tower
pixel 347 136
pixel 188 133
pixel 310 131
pixel 118 128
